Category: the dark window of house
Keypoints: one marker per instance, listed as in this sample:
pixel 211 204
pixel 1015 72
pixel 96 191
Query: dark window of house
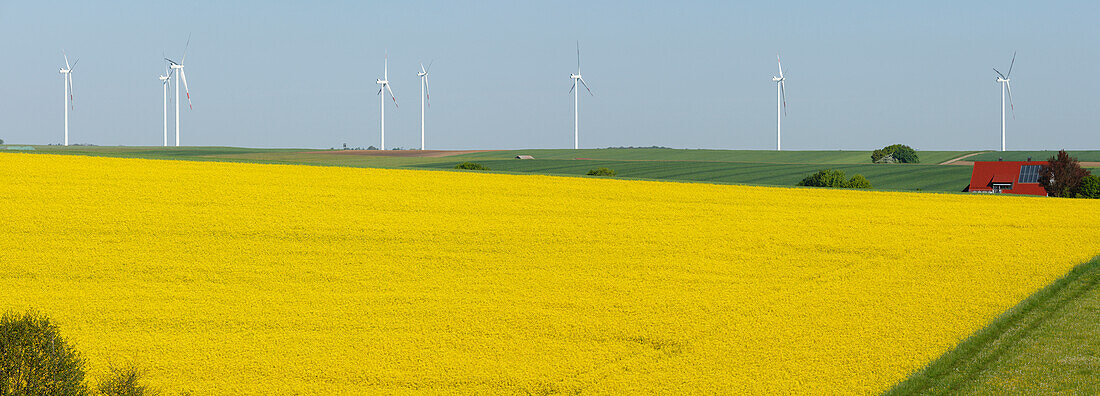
pixel 1029 174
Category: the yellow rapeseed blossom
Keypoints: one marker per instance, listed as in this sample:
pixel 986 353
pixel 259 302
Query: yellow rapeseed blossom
pixel 222 278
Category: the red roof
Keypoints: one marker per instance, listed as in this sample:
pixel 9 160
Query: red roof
pixel 986 173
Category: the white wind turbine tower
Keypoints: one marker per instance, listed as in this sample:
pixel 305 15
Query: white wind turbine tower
pixel 781 104
pixel 1006 86
pixel 67 75
pixel 424 97
pixel 178 66
pixel 576 97
pixel 165 81
pixel 384 85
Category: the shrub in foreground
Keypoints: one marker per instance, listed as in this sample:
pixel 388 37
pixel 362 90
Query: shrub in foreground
pixel 35 360
pixel 834 178
pixel 471 166
pixel 124 382
pixel 601 172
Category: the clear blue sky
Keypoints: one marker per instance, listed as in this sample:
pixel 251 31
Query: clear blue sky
pixel 680 74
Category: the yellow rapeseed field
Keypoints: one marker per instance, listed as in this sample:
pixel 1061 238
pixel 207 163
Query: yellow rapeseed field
pixel 222 278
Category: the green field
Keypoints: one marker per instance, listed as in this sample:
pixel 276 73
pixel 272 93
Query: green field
pixel 754 156
pixel 1048 344
pixel 941 178
pixel 1089 155
pixel 784 168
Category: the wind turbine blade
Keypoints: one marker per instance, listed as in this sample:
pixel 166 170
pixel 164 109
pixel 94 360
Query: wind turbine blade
pixel 1010 104
pixel 422 68
pixel 427 92
pixel 999 74
pixel 386 70
pixel 66 60
pixel 429 66
pixel 185 48
pixel 379 90
pixel 586 87
pixel 74 65
pixel 390 90
pixel 183 76
pixel 578 57
pixel 574 86
pixel 783 95
pixel 171 61
pixel 780 65
pixel 1011 64
pixel 70 77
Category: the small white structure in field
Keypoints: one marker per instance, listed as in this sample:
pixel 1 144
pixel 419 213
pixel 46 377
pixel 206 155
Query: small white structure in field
pixel 524 157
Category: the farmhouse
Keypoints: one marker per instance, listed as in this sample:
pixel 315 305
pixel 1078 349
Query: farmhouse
pixel 1010 177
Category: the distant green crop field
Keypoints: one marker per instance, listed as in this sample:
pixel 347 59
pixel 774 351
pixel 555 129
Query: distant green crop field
pixel 1088 155
pixel 758 156
pixel 943 178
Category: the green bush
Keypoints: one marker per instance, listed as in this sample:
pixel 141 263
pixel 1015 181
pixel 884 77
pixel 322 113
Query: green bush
pixel 858 181
pixel 124 382
pixel 1089 188
pixel 601 172
pixel 471 166
pixel 825 178
pixel 834 178
pixel 35 360
pixel 899 152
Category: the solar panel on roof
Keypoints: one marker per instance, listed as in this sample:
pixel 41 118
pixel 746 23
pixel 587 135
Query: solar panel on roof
pixel 1029 174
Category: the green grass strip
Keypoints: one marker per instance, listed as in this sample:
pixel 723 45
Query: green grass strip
pixel 1014 333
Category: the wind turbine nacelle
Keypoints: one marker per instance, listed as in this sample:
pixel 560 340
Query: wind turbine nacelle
pixel 62 71
pixel 421 74
pixel 175 66
pixel 776 79
pixel 380 81
pixel 574 76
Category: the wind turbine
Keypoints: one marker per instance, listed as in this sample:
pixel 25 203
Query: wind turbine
pixel 576 96
pixel 423 74
pixel 165 81
pixel 384 85
pixel 781 104
pixel 180 74
pixel 67 75
pixel 1006 86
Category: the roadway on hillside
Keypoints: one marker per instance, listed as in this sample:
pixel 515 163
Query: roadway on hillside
pixel 955 161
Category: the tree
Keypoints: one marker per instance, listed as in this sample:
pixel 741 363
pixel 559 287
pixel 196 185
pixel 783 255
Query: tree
pixel 35 360
pixel 1061 175
pixel 898 152
pixel 1089 188
pixel 1 141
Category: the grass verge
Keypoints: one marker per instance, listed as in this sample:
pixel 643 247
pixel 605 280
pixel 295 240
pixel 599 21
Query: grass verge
pixel 1049 343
